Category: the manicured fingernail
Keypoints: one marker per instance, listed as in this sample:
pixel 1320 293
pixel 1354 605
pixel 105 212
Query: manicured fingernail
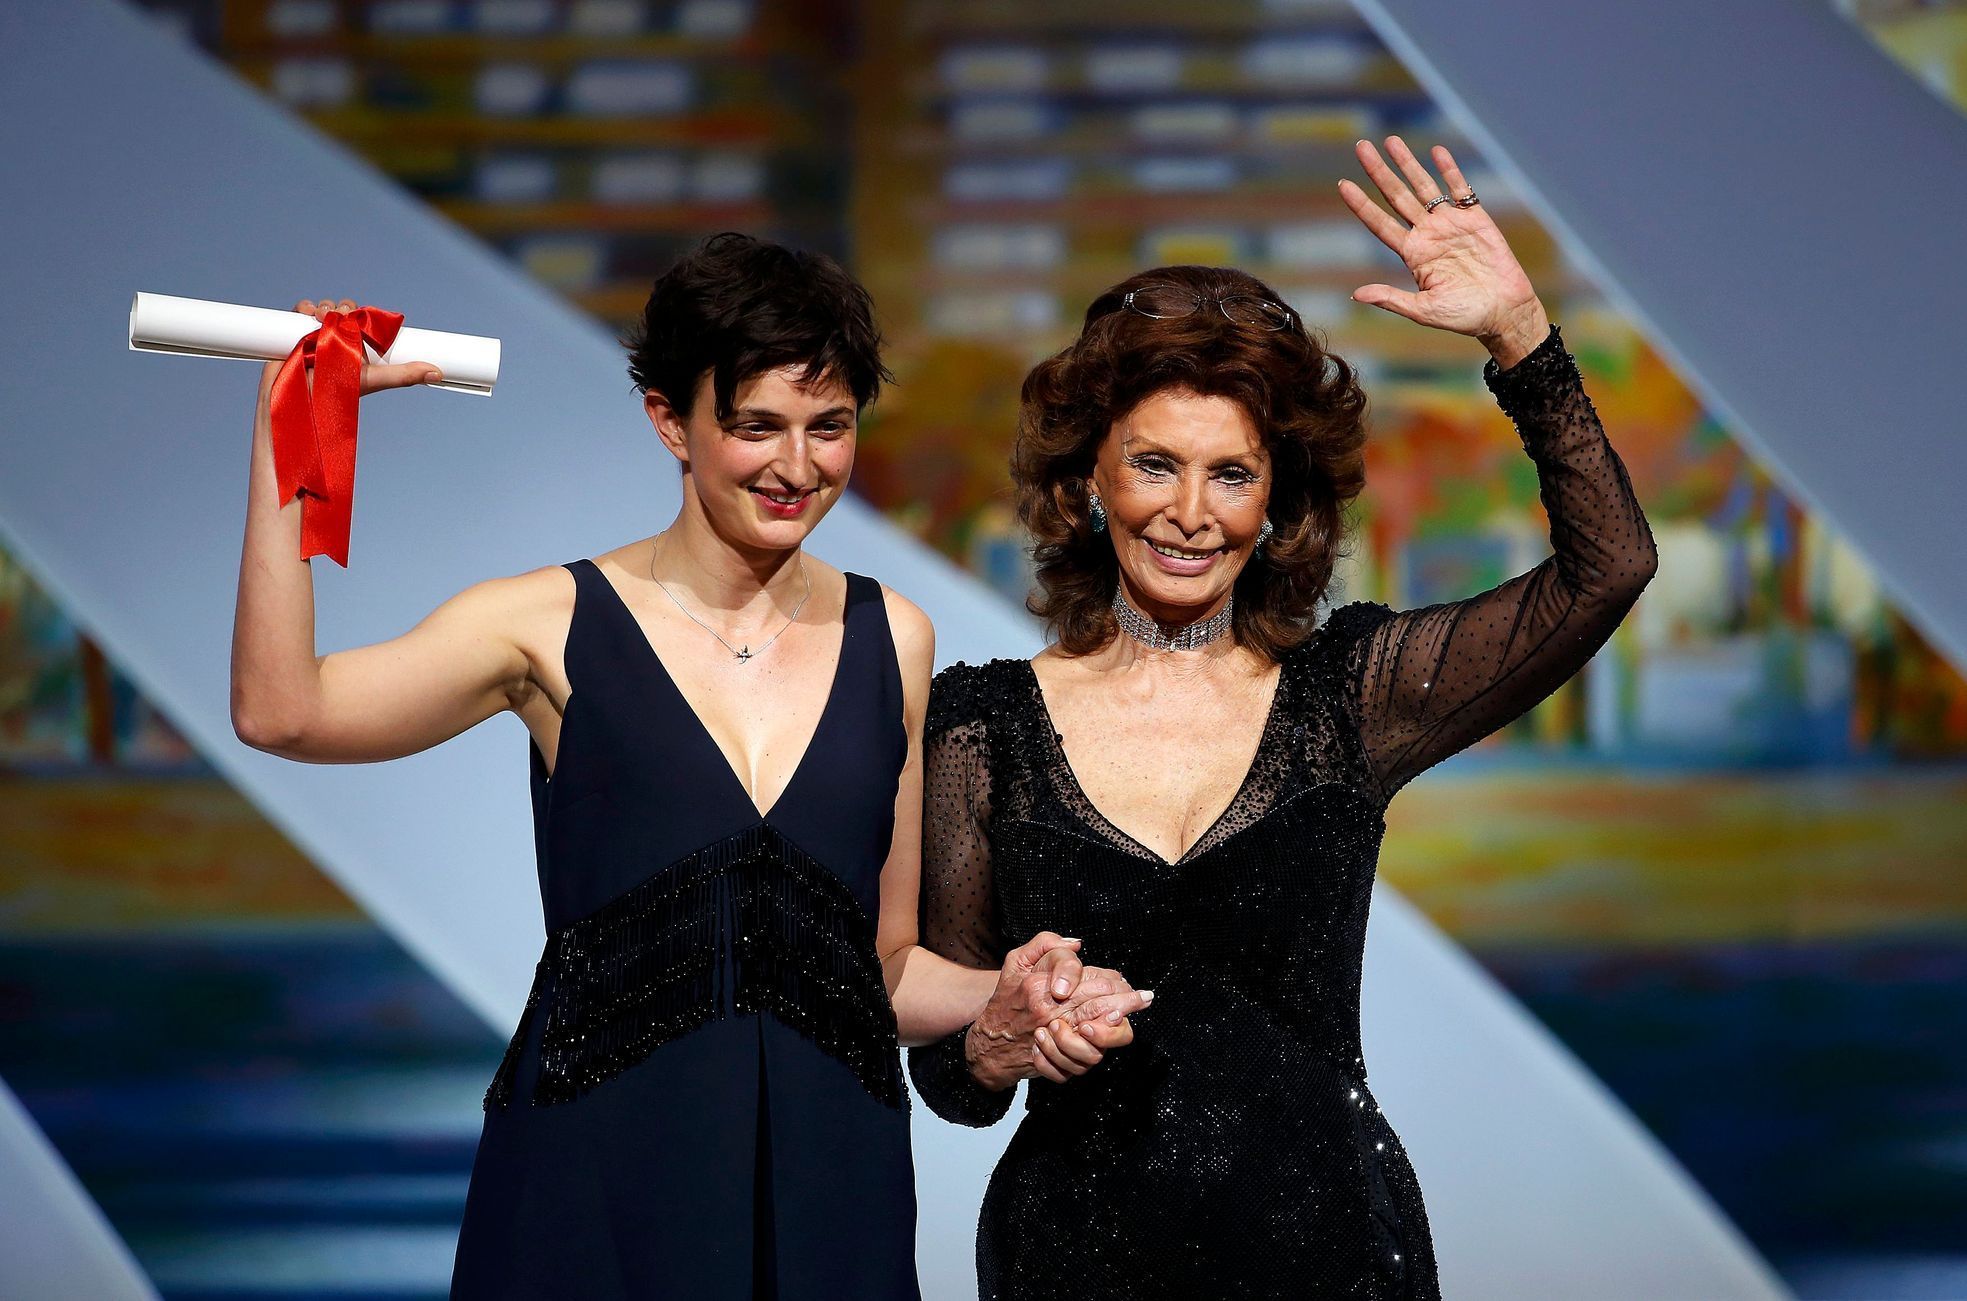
pixel 1042 1036
pixel 1070 939
pixel 1114 1017
pixel 1147 996
pixel 1062 987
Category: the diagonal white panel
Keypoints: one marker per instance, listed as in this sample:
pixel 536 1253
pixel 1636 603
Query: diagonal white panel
pixel 121 474
pixel 1777 204
pixel 138 164
pixel 53 1240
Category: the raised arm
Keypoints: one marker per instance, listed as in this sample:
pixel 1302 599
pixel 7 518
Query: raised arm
pixel 1433 681
pixel 1429 682
pixel 458 667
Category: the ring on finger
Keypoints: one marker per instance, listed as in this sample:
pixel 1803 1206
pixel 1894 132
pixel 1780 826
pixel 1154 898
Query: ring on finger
pixel 1468 200
pixel 1436 202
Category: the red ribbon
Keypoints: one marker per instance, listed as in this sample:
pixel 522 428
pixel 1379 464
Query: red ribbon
pixel 314 433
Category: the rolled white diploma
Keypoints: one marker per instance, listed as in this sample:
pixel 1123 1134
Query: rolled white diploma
pixel 193 327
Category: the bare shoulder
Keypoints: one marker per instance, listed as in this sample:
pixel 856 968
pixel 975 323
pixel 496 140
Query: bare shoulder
pixel 537 593
pixel 826 579
pixel 1054 665
pixel 914 634
pixel 628 558
pixel 530 611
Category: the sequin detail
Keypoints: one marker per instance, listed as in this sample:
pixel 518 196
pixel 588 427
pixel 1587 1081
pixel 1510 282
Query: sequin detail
pixel 748 925
pixel 1234 1149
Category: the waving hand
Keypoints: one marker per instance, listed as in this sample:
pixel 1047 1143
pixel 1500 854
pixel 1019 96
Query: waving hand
pixel 1466 279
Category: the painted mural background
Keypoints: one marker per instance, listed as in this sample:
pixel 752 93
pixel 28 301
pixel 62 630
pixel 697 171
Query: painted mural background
pixel 1727 865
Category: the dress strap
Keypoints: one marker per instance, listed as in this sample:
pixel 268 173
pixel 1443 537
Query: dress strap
pixel 870 637
pixel 589 604
pixel 861 591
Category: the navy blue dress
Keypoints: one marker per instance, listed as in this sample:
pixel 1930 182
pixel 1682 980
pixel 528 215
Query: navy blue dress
pixel 703 1097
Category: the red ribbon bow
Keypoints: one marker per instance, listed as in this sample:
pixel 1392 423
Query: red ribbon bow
pixel 314 433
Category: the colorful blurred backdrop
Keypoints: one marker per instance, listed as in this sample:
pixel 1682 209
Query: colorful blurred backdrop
pixel 1727 865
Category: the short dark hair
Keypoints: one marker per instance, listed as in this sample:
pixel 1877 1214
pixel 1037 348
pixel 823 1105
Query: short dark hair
pixel 1305 402
pixel 737 307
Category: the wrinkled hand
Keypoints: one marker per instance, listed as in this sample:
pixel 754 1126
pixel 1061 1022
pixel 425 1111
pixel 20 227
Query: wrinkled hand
pixel 1050 1016
pixel 376 376
pixel 1467 279
pixel 1094 1023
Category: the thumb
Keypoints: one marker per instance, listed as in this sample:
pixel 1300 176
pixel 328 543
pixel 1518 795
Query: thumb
pixel 1400 302
pixel 400 375
pixel 1063 963
pixel 1027 954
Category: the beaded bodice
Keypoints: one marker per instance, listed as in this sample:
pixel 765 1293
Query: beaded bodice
pixel 1307 802
pixel 671 901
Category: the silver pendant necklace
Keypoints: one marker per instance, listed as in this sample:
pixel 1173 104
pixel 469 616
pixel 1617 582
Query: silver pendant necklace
pixel 1193 636
pixel 743 654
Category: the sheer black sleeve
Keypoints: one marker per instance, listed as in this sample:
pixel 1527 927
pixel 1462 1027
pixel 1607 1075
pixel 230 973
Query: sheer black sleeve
pixel 1427 683
pixel 959 906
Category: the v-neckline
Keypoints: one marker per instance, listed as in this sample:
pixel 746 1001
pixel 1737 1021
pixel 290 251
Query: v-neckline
pixel 1141 849
pixel 703 729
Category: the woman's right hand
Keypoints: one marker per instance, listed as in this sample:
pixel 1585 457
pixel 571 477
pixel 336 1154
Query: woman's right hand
pixel 375 375
pixel 464 662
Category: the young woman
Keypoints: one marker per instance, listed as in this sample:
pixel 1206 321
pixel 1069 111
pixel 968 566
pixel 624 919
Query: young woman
pixel 703 1097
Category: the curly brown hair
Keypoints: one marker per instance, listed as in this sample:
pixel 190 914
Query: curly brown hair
pixel 1305 401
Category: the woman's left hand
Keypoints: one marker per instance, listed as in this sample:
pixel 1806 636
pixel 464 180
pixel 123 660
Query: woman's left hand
pixel 1092 1024
pixel 1467 280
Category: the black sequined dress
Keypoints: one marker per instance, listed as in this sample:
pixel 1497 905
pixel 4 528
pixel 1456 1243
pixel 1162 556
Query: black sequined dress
pixel 1235 1150
pixel 703 1099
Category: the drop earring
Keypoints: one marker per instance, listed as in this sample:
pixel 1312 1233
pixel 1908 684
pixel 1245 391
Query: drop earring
pixel 1263 536
pixel 1098 512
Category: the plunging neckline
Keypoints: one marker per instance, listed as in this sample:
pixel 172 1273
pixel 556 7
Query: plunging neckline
pixel 1139 847
pixel 703 730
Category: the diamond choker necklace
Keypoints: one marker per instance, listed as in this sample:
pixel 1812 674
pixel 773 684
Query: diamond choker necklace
pixel 1192 636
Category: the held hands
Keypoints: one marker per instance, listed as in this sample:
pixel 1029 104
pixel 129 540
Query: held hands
pixel 375 375
pixel 1468 281
pixel 1050 1016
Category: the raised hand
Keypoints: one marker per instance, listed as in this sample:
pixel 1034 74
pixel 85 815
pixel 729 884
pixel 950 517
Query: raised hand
pixel 375 375
pixel 1466 279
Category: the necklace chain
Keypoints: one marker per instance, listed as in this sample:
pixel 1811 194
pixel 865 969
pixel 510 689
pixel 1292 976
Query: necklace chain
pixel 1192 636
pixel 744 654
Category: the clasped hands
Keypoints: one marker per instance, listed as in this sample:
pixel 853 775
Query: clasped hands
pixel 1050 1016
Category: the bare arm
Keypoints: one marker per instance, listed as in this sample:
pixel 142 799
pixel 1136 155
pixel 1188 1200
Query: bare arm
pixel 1039 983
pixel 1043 1015
pixel 458 667
pixel 932 995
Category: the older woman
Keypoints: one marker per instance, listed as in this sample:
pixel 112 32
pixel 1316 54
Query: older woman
pixel 1192 778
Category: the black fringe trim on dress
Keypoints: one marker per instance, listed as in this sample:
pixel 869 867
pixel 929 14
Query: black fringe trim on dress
pixel 750 924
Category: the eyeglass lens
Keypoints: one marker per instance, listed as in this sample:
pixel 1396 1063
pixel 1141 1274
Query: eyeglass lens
pixel 1255 311
pixel 1163 301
